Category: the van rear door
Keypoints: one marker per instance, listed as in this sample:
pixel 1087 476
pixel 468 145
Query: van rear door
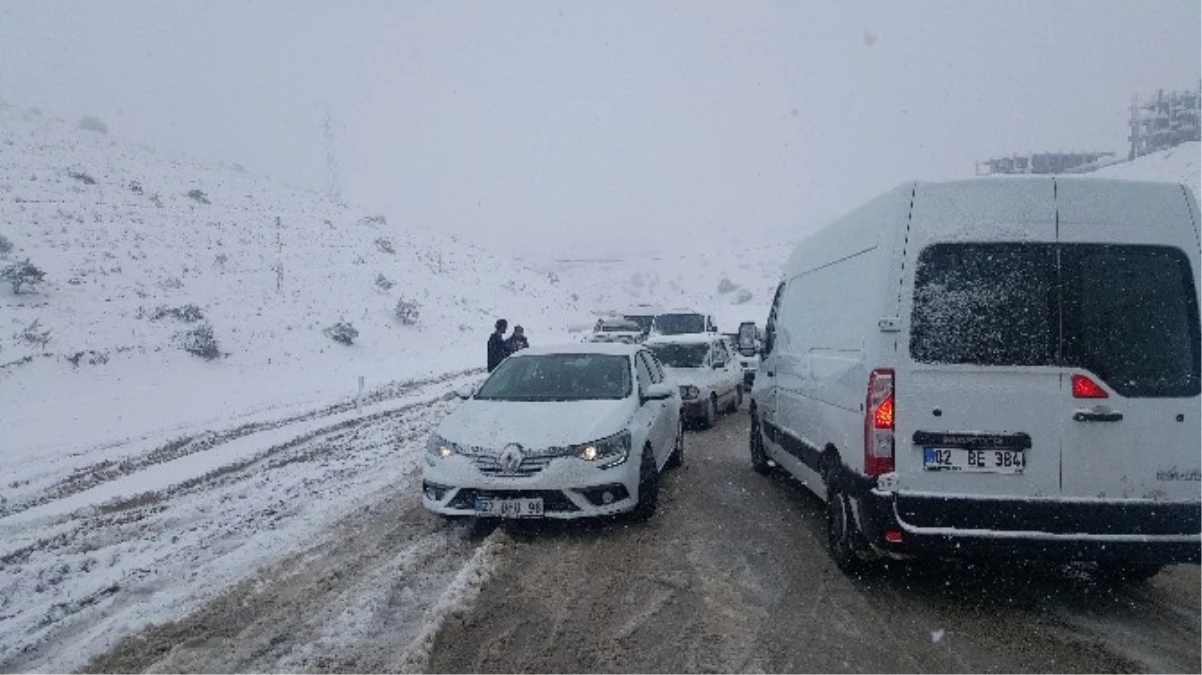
pixel 976 382
pixel 1131 327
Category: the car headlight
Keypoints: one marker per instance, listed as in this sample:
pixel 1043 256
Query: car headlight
pixel 689 391
pixel 437 446
pixel 608 452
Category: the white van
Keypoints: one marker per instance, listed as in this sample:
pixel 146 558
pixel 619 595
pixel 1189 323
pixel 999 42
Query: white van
pixel 683 322
pixel 1003 366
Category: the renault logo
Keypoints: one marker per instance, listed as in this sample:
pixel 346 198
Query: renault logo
pixel 511 458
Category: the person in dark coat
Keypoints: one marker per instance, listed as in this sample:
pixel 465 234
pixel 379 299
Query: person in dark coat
pixel 497 349
pixel 517 340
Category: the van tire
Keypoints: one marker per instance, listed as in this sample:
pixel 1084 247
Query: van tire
pixel 1125 573
pixel 841 531
pixel 676 459
pixel 648 486
pixel 759 458
pixel 711 413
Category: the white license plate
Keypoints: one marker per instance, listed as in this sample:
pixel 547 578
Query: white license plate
pixel 977 461
pixel 510 508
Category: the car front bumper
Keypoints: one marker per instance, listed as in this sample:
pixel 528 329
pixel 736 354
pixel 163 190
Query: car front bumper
pixel 569 487
pixel 1138 531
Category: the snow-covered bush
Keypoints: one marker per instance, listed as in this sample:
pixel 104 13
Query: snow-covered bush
pixel 743 297
pixel 6 246
pixel 385 245
pixel 199 341
pixel 407 311
pixel 342 332
pixel 727 286
pixel 383 282
pixel 21 274
pixel 188 313
pixel 32 336
pixel 199 196
pixel 89 123
pixel 82 176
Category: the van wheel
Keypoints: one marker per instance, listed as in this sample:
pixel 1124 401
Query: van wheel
pixel 711 413
pixel 759 458
pixel 648 486
pixel 676 459
pixel 1125 573
pixel 841 532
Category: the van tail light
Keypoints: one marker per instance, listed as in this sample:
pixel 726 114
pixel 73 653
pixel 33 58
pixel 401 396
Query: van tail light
pixel 878 424
pixel 1083 387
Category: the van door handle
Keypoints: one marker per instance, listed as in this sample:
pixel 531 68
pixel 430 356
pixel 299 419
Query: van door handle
pixel 1098 416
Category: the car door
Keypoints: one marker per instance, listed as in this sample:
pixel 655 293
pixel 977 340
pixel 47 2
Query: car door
pixel 649 417
pixel 669 416
pixel 724 380
pixel 763 390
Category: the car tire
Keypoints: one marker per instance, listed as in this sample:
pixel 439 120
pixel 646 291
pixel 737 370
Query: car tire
pixel 1125 573
pixel 676 459
pixel 759 458
pixel 711 413
pixel 738 400
pixel 648 486
pixel 841 530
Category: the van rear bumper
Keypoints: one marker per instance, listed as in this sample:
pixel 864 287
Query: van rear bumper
pixel 1051 529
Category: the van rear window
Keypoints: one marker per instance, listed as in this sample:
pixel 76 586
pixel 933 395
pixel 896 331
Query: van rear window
pixel 1127 314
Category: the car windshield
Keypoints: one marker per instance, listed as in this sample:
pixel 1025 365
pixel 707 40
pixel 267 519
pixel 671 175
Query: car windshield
pixel 679 324
pixel 559 377
pixel 681 355
pixel 620 327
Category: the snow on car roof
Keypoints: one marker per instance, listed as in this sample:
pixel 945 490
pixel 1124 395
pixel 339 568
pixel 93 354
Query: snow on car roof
pixel 684 338
pixel 612 348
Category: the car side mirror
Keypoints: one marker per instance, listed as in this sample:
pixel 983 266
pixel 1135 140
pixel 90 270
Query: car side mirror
pixel 466 391
pixel 657 392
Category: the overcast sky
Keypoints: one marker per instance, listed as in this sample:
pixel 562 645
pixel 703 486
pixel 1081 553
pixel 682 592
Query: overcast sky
pixel 581 129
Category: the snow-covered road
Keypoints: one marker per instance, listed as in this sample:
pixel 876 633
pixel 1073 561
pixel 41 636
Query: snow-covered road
pixel 142 533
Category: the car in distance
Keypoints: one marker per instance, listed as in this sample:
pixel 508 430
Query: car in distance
pixel 702 366
pixel 617 330
pixel 558 432
pixel 995 367
pixel 683 322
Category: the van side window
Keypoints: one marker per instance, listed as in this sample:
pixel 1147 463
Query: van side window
pixel 770 326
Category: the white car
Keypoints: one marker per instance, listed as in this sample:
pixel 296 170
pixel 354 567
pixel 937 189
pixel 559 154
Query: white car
pixel 708 375
pixel 618 330
pixel 683 322
pixel 558 432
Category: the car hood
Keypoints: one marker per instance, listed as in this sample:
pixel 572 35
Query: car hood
pixel 492 424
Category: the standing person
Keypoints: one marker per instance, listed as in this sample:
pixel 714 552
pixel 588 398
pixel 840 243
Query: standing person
pixel 497 350
pixel 517 340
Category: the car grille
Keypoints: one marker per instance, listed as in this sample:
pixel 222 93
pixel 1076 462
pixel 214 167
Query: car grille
pixel 553 500
pixel 490 465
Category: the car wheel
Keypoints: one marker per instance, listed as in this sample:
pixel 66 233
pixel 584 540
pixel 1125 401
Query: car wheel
pixel 738 402
pixel 648 486
pixel 759 458
pixel 711 413
pixel 677 457
pixel 1125 573
pixel 841 531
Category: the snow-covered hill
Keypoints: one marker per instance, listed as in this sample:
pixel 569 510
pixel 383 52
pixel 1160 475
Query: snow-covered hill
pixel 1175 165
pixel 733 281
pixel 143 249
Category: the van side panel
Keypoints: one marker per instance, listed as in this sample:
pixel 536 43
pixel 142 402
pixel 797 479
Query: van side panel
pixel 836 291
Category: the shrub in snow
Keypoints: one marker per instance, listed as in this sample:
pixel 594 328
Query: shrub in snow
pixel 199 196
pixel 727 286
pixel 21 274
pixel 199 341
pixel 171 282
pixel 373 220
pixel 385 245
pixel 742 297
pixel 383 282
pixel 156 200
pixel 6 246
pixel 187 313
pixel 553 277
pixel 82 177
pixel 89 123
pixel 407 311
pixel 342 332
pixel 135 187
pixel 32 336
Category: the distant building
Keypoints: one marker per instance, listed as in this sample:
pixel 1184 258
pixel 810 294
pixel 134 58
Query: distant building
pixel 1044 162
pixel 1168 120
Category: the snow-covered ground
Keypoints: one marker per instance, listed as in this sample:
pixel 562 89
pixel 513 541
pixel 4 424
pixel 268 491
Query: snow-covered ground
pixel 1175 165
